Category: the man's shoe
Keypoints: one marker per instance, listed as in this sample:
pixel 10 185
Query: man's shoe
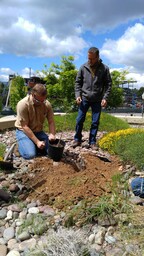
pixel 76 144
pixel 94 147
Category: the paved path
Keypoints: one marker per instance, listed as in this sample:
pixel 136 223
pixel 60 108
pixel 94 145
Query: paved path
pixel 136 119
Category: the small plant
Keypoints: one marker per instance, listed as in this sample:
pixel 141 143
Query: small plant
pixel 106 207
pixel 34 224
pixel 64 242
pixel 2 151
pixel 134 233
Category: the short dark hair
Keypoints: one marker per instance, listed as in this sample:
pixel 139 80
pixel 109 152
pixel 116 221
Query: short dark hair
pixel 40 89
pixel 94 50
pixel 35 79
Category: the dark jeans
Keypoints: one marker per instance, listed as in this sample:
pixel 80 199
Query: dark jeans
pixel 96 112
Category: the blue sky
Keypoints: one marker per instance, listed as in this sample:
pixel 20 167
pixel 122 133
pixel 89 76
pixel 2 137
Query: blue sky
pixel 34 33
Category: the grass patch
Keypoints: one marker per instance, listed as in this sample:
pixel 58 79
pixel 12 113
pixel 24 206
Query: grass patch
pixel 131 149
pixel 127 143
pixel 107 122
pixel 110 123
pixel 134 233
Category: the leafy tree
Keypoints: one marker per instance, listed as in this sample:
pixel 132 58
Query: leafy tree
pixel 140 92
pixel 60 81
pixel 2 95
pixel 1 88
pixel 116 97
pixel 0 103
pixel 18 91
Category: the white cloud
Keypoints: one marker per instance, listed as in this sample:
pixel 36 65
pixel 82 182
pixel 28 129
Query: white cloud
pixel 128 49
pixel 28 28
pixel 139 78
pixel 29 39
pixel 6 70
pixel 4 74
pixel 51 28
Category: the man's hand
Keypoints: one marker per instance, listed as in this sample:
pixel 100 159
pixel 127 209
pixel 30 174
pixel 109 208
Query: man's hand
pixel 103 103
pixel 52 137
pixel 40 144
pixel 78 100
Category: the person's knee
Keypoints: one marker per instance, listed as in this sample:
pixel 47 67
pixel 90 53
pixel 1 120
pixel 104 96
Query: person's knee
pixel 29 155
pixel 27 149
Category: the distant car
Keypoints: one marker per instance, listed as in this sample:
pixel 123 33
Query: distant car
pixel 7 111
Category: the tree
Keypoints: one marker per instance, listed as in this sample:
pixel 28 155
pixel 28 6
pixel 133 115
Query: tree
pixel 60 81
pixel 140 92
pixel 0 104
pixel 18 91
pixel 1 88
pixel 116 97
pixel 3 95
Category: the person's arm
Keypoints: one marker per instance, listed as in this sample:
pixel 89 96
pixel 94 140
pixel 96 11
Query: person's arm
pixel 51 123
pixel 51 129
pixel 78 86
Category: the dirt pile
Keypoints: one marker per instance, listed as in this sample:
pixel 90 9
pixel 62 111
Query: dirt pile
pixel 60 183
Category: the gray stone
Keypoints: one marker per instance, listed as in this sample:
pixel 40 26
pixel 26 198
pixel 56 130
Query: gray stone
pixel 9 233
pixel 23 236
pixel 3 250
pixel 3 213
pixel 29 244
pixel 13 253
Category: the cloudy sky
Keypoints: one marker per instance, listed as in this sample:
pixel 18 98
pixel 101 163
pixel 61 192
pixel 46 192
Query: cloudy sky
pixel 35 32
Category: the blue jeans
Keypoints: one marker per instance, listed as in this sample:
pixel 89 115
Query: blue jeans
pixel 96 112
pixel 27 147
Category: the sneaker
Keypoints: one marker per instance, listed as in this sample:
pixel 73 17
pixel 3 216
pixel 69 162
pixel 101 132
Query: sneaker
pixel 76 144
pixel 86 145
pixel 94 147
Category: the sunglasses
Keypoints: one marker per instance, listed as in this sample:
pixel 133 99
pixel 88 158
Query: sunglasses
pixel 38 101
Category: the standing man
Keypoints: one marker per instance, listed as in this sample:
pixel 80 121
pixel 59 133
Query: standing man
pixel 32 82
pixel 92 88
pixel 31 114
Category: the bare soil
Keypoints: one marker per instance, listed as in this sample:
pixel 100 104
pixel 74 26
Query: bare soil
pixel 61 184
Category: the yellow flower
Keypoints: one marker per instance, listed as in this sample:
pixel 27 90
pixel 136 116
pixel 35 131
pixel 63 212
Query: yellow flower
pixel 108 141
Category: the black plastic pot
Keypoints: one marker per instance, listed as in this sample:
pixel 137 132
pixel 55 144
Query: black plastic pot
pixel 55 149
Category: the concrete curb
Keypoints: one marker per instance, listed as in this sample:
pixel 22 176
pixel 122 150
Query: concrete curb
pixel 9 121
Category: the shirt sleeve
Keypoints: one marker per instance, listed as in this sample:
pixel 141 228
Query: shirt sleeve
pixel 78 83
pixel 50 114
pixel 22 113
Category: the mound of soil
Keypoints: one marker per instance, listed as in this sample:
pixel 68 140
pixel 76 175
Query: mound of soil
pixel 60 183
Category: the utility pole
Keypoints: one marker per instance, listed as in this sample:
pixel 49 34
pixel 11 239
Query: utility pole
pixel 142 104
pixel 29 72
